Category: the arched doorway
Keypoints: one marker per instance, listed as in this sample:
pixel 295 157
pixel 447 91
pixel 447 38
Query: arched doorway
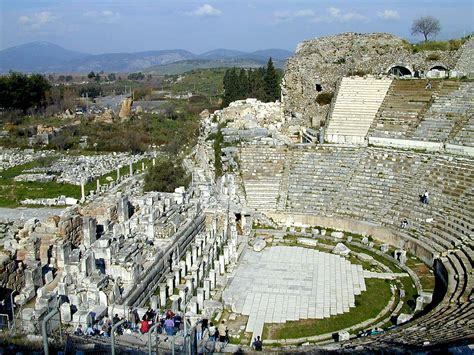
pixel 400 70
pixel 437 71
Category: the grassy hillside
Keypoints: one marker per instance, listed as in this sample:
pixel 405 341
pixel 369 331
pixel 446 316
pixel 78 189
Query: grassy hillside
pixel 193 64
pixel 206 82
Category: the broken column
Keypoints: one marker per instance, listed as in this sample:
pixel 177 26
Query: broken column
pixel 122 211
pixel 83 191
pixel 89 231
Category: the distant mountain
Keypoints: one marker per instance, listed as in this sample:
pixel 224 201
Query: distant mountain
pixel 275 54
pixel 35 56
pixel 193 64
pixel 221 53
pixel 45 57
pixel 124 62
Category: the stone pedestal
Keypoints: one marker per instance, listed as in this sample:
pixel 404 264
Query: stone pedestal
pixel 183 295
pixel 189 284
pixel 193 305
pixel 170 282
pixel 212 278
pixel 154 302
pixel 195 275
pixel 221 265
pixel 200 298
pixel 189 260
pixel 226 255
pixel 163 291
pixel 184 268
pixel 175 303
pixel 207 289
pixel 177 275
pixel 194 253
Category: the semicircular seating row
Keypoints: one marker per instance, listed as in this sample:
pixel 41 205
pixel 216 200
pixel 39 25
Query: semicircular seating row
pixel 382 186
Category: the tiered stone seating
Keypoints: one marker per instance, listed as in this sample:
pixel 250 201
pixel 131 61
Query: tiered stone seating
pixel 465 136
pixel 382 186
pixel 318 177
pixel 448 113
pixel 261 170
pixel 358 100
pixel 402 108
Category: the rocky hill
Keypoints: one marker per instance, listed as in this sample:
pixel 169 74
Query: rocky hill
pixel 324 60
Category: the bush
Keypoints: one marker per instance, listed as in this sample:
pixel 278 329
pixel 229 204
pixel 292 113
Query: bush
pixel 432 56
pixel 166 177
pixel 324 98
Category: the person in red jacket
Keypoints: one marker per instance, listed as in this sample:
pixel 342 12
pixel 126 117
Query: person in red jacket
pixel 145 326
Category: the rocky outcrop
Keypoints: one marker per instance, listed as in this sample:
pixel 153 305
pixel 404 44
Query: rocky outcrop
pixel 106 117
pixel 465 63
pixel 126 108
pixel 319 63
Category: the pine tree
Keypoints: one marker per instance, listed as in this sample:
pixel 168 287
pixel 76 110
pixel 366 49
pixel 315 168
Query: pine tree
pixel 271 83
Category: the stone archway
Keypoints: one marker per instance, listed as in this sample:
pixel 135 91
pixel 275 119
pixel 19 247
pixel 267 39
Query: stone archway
pixel 437 71
pixel 400 70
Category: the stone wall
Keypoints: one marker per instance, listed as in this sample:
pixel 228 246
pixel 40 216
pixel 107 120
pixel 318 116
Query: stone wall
pixel 324 60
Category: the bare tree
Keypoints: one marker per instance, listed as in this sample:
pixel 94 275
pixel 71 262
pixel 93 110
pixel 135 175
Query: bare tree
pixel 426 25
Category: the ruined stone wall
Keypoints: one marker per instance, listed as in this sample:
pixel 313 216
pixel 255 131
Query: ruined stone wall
pixel 12 274
pixel 325 60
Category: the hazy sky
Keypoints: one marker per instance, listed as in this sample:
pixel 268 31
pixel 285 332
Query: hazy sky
pixel 98 26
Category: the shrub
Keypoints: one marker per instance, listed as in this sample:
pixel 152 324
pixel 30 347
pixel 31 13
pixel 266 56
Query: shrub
pixel 324 98
pixel 166 177
pixel 432 56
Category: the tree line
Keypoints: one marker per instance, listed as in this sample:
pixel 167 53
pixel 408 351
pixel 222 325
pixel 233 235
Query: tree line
pixel 261 83
pixel 22 92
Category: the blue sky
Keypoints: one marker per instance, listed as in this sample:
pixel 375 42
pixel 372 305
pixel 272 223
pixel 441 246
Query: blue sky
pixel 99 26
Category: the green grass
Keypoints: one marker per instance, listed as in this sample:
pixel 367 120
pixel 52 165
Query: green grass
pixel 368 305
pixel 12 192
pixel 410 295
pixel 208 82
pixel 452 44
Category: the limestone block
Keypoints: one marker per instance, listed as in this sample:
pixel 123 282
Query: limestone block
pixel 341 249
pixel 259 244
pixel 403 318
pixel 65 310
pixel 343 335
pixel 384 248
pixel 364 257
pixel 48 277
pixel 337 235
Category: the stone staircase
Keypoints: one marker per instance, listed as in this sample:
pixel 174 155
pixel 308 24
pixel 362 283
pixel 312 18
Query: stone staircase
pixel 402 108
pixel 261 172
pixel 448 112
pixel 358 100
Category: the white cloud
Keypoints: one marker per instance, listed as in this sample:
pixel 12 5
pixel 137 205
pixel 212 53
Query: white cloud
pixel 389 15
pixel 337 15
pixel 36 20
pixel 291 15
pixel 105 16
pixel 206 10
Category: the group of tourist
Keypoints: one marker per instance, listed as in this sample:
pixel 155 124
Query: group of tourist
pixel 169 323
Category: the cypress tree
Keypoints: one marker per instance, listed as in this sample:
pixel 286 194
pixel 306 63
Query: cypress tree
pixel 231 87
pixel 243 84
pixel 271 84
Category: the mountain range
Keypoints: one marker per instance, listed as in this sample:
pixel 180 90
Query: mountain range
pixel 46 57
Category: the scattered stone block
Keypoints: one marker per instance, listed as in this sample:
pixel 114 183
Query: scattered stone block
pixel 341 249
pixel 259 244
